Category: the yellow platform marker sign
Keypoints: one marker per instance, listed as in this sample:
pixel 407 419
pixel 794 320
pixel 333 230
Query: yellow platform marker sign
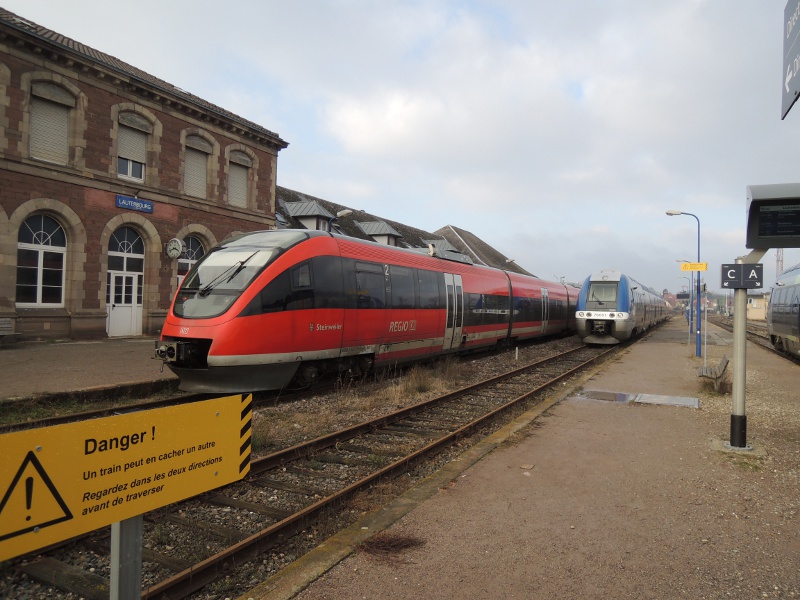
pixel 61 481
pixel 687 266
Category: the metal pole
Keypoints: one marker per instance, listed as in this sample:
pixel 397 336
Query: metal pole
pixel 699 351
pixel 126 559
pixel 705 332
pixel 738 416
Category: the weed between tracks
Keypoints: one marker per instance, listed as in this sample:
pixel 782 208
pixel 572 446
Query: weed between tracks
pixel 291 423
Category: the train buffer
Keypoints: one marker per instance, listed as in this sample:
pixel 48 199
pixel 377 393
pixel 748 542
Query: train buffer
pixel 716 374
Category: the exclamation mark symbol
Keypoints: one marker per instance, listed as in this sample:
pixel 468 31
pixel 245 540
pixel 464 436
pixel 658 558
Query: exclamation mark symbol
pixel 28 495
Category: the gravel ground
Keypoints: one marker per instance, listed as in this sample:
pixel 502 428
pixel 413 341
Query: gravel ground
pixel 611 500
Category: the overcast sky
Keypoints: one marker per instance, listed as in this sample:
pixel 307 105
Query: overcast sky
pixel 559 132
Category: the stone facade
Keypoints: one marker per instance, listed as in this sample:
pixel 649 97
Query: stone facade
pixel 85 192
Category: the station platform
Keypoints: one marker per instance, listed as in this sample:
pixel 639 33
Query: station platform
pixel 35 369
pixel 601 496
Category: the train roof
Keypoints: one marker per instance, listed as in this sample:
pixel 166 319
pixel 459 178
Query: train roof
pixel 615 275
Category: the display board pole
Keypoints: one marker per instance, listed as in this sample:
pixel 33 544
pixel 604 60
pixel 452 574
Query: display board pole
pixel 738 416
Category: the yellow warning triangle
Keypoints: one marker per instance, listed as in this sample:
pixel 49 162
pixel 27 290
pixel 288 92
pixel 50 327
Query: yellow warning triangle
pixel 31 501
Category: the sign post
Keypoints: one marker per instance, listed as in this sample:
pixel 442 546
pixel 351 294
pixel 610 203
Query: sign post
pixel 744 269
pixel 62 481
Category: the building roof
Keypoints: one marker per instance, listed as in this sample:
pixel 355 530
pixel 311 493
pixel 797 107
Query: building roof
pixel 479 251
pixel 373 228
pixel 130 77
pixel 307 208
pixel 359 222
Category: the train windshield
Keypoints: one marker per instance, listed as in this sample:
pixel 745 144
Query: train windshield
pixel 601 294
pixel 216 281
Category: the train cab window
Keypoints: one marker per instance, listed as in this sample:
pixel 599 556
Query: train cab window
pixel 301 276
pixel 402 286
pixel 603 292
pixel 302 294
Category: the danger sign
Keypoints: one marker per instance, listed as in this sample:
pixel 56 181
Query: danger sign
pixel 61 481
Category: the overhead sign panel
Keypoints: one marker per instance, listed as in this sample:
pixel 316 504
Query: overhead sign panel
pixel 773 215
pixel 791 56
pixel 687 266
pixel 744 276
pixel 61 481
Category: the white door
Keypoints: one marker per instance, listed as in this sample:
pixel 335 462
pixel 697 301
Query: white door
pixel 124 281
pixel 124 313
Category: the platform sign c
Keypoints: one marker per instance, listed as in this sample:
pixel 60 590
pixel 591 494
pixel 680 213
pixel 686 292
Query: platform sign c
pixel 61 481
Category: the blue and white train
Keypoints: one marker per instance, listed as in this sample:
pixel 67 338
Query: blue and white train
pixel 783 316
pixel 613 307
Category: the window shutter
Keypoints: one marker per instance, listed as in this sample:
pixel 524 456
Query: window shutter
pixel 49 131
pixel 237 186
pixel 132 144
pixel 195 173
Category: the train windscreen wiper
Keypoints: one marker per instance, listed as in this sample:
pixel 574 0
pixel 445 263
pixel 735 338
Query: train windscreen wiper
pixel 235 268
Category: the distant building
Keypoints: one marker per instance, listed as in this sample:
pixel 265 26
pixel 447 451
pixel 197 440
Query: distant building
pixel 757 306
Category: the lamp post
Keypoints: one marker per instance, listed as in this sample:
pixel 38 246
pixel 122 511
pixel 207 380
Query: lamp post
pixel 673 213
pixel 691 309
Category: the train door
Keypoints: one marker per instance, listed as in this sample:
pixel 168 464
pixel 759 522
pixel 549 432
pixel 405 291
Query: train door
pixel 545 310
pixel 455 312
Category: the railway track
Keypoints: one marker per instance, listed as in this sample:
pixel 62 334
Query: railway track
pixel 758 334
pixel 195 543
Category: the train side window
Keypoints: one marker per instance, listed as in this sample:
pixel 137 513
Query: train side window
pixel 371 286
pixel 328 282
pixel 429 293
pixel 402 286
pixel 474 309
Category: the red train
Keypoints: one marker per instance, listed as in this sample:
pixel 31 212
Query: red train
pixel 273 308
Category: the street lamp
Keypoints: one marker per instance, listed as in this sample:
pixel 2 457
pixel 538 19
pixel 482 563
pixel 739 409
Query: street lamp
pixel 673 213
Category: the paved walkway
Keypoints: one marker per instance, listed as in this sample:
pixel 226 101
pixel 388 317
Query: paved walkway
pixel 601 500
pixel 37 368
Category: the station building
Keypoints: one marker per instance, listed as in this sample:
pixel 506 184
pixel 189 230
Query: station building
pixel 101 165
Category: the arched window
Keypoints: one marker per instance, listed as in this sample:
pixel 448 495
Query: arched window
pixel 194 252
pixel 41 250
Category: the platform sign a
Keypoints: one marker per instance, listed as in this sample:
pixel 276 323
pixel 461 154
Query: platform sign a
pixel 743 276
pixel 59 482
